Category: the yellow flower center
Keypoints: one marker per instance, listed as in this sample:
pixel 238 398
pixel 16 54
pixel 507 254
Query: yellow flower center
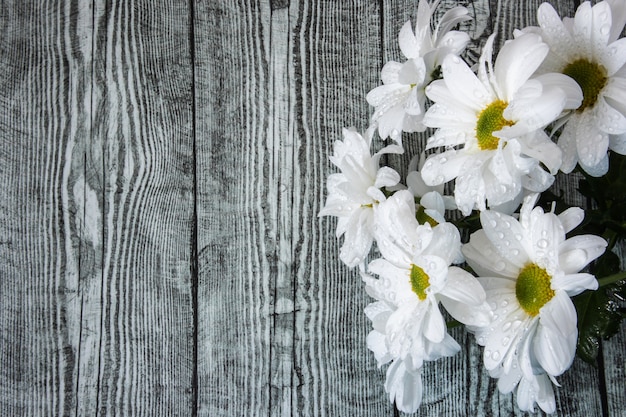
pixel 532 289
pixel 491 120
pixel 419 281
pixel 423 218
pixel 590 76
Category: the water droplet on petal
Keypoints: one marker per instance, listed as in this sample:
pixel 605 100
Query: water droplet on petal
pixel 542 243
pixel 495 355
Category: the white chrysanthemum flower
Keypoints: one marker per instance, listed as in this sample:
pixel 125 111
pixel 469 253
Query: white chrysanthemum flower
pixel 587 49
pixel 414 277
pixel 497 117
pixel 353 193
pixel 399 102
pixel 530 271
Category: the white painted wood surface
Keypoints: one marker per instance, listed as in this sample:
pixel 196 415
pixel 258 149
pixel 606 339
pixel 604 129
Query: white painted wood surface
pixel 162 164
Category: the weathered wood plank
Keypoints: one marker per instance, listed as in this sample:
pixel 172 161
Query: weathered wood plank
pixel 336 57
pixel 237 211
pixel 143 135
pixel 44 120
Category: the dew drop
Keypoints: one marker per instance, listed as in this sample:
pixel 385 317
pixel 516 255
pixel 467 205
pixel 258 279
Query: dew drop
pixel 505 341
pixel 456 60
pixel 542 243
pixel 499 266
pixel 504 303
pixel 495 355
pixel 506 326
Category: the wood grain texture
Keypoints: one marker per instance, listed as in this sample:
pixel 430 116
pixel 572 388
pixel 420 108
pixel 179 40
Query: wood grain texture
pixel 162 165
pixel 44 72
pixel 335 58
pixel 237 176
pixel 143 141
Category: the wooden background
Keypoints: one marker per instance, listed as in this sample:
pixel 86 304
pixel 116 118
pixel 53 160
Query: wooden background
pixel 162 164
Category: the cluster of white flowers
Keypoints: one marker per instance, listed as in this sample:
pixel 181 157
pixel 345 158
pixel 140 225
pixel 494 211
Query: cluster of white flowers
pixel 492 134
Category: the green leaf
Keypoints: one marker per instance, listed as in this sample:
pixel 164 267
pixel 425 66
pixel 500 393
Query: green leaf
pixel 600 312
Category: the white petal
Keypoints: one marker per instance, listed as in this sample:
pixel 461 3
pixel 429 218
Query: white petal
pixel 409 44
pixel 614 56
pixel 460 79
pixel 576 252
pixel 469 190
pixel 389 74
pixel 618 14
pixel 567 143
pixel 554 31
pixel 443 167
pixel 450 19
pixel 357 239
pixel 454 42
pixel 555 341
pixel 617 143
pixel 439 92
pixel 535 113
pixel 445 245
pixel 537 180
pixel 597 170
pixel 386 177
pixel 537 389
pixel 614 92
pixel 446 348
pixel 481 255
pixel 600 26
pixel 506 236
pixel 517 61
pixel 434 325
pixel 413 72
pixel 573 93
pixel 433 201
pixel 571 218
pixel 404 386
pixel 546 236
pixel 607 118
pixel 376 343
pixel 385 97
pixel 582 29
pixel 574 284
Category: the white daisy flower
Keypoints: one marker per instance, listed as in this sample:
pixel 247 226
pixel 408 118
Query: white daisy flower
pixel 399 102
pixel 530 271
pixel 414 277
pixel 497 119
pixel 353 193
pixel 587 49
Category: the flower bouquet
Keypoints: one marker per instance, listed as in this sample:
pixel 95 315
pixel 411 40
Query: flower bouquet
pixel 476 228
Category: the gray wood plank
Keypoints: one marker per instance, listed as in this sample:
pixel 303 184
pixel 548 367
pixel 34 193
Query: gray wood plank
pixel 237 211
pixel 142 154
pixel 336 56
pixel 44 120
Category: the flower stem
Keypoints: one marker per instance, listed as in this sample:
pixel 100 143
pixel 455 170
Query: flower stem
pixel 611 279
